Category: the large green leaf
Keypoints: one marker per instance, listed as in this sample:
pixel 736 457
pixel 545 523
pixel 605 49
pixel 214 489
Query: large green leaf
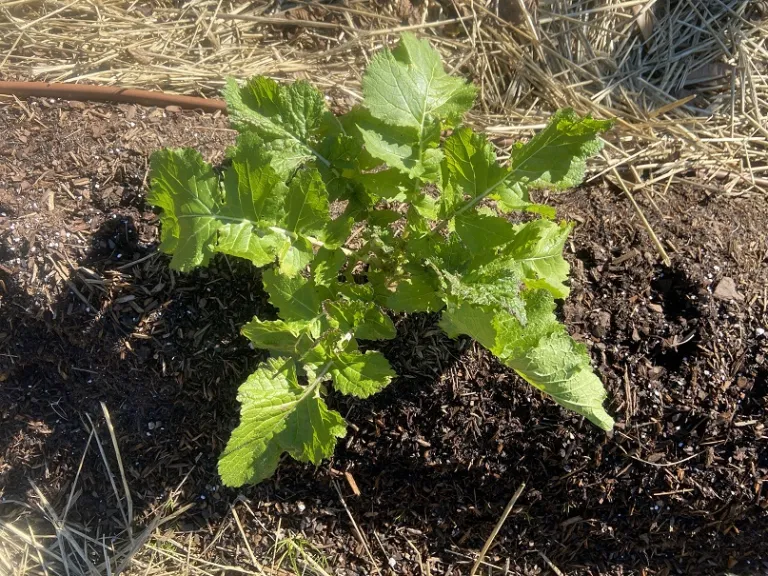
pixel 289 121
pixel 403 151
pixel 482 232
pixel 495 285
pixel 307 204
pixel 185 188
pixel 390 184
pixel 412 152
pixel 259 218
pixel 543 353
pixel 537 247
pixel 408 86
pixel 254 191
pixel 278 415
pixel 416 290
pixel 360 375
pixel 461 317
pixel 409 96
pixel 471 160
pixel 243 240
pixel 557 156
pixel 540 350
pixel 295 297
pixel 307 217
pixel 364 319
pixel 355 373
pixel 281 337
pixel 326 266
pixel 554 158
pixel 255 198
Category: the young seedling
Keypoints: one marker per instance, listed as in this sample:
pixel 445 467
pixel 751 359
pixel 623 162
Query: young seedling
pixel 423 225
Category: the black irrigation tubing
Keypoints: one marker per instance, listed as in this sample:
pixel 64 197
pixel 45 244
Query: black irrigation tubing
pixel 89 92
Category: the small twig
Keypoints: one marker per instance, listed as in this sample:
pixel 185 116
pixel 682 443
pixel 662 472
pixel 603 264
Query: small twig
pixel 255 563
pixel 552 567
pixel 71 285
pixel 643 219
pixel 110 475
pixel 273 21
pixel 308 559
pixel 139 261
pixel 71 498
pixel 668 464
pixel 496 529
pixel 358 532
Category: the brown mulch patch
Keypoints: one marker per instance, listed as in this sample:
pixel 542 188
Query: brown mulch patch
pixel 676 489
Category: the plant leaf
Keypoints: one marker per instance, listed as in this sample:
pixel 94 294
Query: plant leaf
pixel 481 232
pixel 538 248
pixel 290 122
pixel 408 86
pixel 360 375
pixel 307 204
pixel 186 189
pixel 295 254
pixel 326 266
pixel 460 317
pixel 277 415
pixel 197 222
pixel 243 240
pixel 390 184
pixel 496 285
pixel 557 156
pixel 413 154
pixel 364 319
pixel 470 159
pixel 416 291
pixel 254 191
pixel 291 338
pixel 296 298
pixel 514 198
pixel 543 353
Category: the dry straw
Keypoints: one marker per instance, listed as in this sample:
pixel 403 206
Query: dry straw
pixel 36 539
pixel 686 79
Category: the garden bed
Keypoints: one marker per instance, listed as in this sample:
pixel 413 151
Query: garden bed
pixel 91 313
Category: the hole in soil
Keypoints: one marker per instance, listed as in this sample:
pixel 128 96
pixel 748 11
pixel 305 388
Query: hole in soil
pixel 117 236
pixel 679 335
pixel 587 257
pixel 674 288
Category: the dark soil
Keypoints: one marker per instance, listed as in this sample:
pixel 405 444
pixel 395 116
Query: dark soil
pixel 676 489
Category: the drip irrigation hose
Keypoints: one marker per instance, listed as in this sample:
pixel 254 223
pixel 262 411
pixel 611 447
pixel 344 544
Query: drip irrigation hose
pixel 89 92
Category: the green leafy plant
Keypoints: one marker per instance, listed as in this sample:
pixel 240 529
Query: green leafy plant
pixel 377 210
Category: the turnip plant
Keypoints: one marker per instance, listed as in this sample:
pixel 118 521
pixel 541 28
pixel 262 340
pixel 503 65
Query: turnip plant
pixel 424 224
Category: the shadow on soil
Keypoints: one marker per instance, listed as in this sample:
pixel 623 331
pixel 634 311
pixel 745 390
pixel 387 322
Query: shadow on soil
pixel 438 453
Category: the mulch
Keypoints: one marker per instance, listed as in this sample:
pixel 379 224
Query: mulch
pixel 90 313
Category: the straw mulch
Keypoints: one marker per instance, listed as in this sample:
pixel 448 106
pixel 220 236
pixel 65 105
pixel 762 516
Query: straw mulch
pixel 686 79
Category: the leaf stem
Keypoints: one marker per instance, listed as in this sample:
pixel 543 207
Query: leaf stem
pixel 316 382
pixel 471 204
pixel 480 197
